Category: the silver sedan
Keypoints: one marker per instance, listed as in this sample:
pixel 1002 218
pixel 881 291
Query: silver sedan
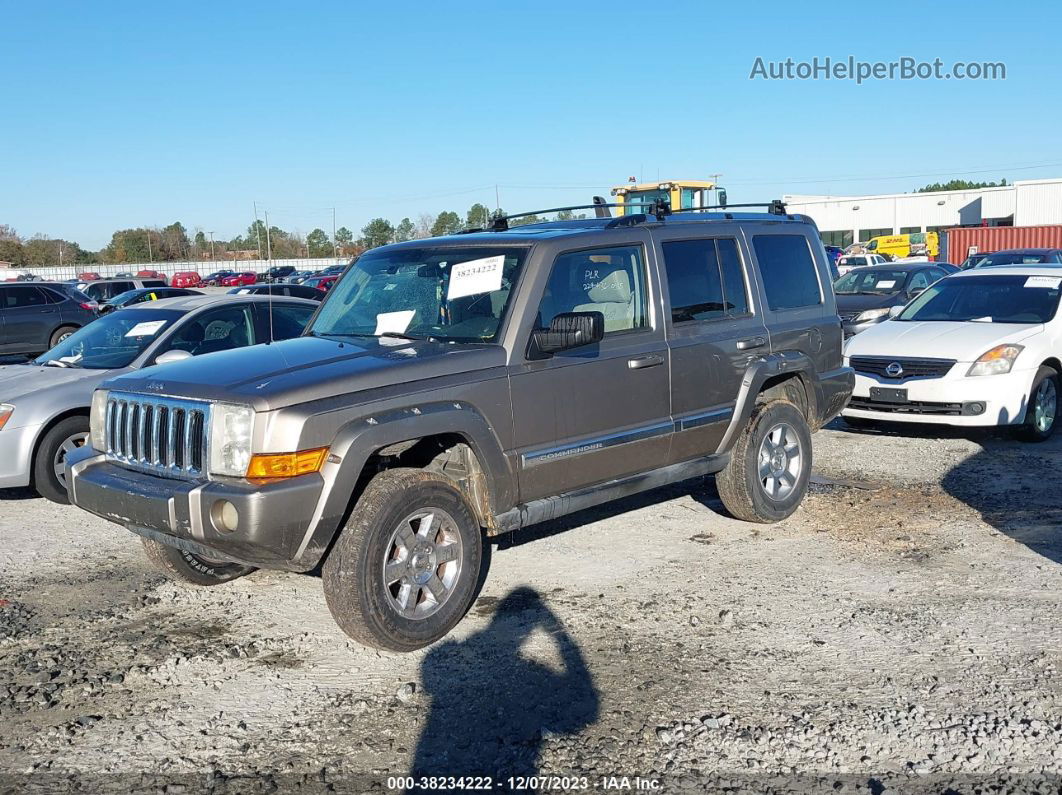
pixel 44 403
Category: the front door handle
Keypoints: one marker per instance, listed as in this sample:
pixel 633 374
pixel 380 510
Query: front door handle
pixel 641 362
pixel 751 342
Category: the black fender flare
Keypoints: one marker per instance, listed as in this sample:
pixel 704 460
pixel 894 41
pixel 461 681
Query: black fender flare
pixel 759 371
pixel 358 439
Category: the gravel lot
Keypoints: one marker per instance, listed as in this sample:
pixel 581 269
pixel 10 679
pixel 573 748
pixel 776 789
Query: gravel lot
pixel 900 632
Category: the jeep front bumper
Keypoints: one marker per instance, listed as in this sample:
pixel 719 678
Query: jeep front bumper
pixel 273 517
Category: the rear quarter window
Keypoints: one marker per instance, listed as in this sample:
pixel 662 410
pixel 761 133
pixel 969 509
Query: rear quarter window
pixel 787 270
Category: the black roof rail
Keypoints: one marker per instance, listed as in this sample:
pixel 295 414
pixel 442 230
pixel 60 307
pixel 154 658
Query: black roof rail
pixel 660 209
pixel 774 207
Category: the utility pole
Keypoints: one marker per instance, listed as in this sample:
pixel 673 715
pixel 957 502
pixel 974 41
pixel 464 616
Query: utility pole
pixel 211 246
pixel 497 199
pixel 335 245
pixel 151 257
pixel 257 232
pixel 269 246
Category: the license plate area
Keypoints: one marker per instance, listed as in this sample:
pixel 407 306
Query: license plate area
pixel 885 394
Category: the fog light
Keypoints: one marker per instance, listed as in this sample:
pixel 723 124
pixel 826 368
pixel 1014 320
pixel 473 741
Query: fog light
pixel 973 408
pixel 224 516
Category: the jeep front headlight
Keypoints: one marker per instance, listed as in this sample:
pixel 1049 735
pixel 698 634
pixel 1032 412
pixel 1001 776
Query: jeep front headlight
pixel 231 427
pixel 98 421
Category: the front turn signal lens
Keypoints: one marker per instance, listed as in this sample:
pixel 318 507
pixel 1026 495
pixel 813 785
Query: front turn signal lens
pixel 6 410
pixel 271 466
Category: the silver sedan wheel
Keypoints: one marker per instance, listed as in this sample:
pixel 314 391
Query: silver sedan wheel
pixel 422 564
pixel 1045 405
pixel 69 445
pixel 780 461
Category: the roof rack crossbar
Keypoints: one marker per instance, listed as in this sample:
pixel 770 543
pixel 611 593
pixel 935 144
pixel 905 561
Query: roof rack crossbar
pixel 501 222
pixel 775 207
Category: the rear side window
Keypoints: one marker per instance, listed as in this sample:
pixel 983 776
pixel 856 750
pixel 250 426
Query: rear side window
pixel 23 296
pixel 704 278
pixel 787 271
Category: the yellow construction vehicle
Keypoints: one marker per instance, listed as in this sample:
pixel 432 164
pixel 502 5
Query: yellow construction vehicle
pixel 680 194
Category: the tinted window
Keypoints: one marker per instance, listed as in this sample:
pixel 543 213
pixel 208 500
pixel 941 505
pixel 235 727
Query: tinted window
pixel 919 281
pixel 787 270
pixel 606 280
pixel 705 279
pixel 16 297
pixel 287 320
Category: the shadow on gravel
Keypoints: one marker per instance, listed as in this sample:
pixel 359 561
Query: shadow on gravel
pixel 19 494
pixel 492 704
pixel 1015 488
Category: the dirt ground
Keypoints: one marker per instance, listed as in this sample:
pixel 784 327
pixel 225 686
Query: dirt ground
pixel 901 632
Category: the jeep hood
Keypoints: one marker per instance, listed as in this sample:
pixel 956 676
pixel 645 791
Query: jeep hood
pixel 961 341
pixel 308 368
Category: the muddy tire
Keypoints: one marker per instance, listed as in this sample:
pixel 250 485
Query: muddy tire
pixel 60 334
pixel 49 477
pixel 182 566
pixel 1041 416
pixel 406 567
pixel 770 464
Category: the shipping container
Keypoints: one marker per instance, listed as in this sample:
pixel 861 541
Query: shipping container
pixel 955 243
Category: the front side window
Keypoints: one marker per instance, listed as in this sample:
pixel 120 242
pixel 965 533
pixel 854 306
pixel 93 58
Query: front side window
pixel 285 320
pixel 919 281
pixel 213 331
pixel 987 299
pixel 704 278
pixel 606 280
pixel 442 292
pixel 787 270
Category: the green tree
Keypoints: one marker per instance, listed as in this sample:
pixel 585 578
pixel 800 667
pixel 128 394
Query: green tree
pixel 344 236
pixel 173 243
pixel 478 217
pixel 525 220
pixel 318 244
pixel 960 184
pixel 12 250
pixel 130 245
pixel 447 223
pixel 404 231
pixel 378 232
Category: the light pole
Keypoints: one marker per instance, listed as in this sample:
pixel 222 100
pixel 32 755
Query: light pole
pixel 211 246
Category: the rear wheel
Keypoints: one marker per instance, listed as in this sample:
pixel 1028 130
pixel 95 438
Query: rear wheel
pixel 405 568
pixel 187 567
pixel 61 334
pixel 49 465
pixel 767 475
pixel 1041 415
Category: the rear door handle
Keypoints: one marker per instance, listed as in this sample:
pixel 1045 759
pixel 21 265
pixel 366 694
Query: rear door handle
pixel 641 362
pixel 751 342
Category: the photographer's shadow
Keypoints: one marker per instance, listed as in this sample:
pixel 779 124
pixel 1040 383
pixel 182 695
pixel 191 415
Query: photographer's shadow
pixel 492 703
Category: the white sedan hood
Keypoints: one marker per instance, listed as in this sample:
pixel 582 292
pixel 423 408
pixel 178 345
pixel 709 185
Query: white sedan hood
pixel 963 342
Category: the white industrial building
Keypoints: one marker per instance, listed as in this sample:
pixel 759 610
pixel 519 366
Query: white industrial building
pixel 848 219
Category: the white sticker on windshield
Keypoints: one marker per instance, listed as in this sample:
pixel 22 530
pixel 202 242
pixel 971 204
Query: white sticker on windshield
pixel 476 276
pixel 885 285
pixel 1050 282
pixel 146 329
pixel 244 291
pixel 396 322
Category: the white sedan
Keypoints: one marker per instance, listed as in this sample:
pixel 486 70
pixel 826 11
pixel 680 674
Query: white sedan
pixel 977 348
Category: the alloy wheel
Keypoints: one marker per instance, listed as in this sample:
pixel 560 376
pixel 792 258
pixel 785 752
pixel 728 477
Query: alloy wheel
pixel 780 461
pixel 422 563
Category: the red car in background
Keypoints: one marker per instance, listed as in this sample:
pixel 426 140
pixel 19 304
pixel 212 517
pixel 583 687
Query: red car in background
pixel 89 276
pixel 245 279
pixel 322 283
pixel 185 279
pixel 150 274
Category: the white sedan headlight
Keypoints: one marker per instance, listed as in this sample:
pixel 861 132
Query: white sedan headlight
pixel 98 420
pixel 231 427
pixel 997 361
pixel 872 314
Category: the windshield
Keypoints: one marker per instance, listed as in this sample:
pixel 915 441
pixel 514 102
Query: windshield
pixel 124 298
pixel 875 281
pixel 447 293
pixel 1012 258
pixel 853 262
pixel 988 299
pixel 114 340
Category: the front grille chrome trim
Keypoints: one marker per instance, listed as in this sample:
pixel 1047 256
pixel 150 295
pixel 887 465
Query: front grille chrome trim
pixel 160 435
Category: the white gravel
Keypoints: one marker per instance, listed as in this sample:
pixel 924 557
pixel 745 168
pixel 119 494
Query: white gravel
pixel 901 632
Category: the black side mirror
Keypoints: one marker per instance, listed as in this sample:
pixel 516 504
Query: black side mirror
pixel 566 331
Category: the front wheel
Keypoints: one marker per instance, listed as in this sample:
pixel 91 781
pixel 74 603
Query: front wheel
pixel 187 567
pixel 49 465
pixel 405 568
pixel 767 475
pixel 1041 415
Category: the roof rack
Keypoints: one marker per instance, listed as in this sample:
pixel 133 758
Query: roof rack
pixel 774 207
pixel 658 208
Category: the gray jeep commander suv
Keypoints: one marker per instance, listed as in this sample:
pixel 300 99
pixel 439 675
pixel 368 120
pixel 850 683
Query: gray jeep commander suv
pixel 470 385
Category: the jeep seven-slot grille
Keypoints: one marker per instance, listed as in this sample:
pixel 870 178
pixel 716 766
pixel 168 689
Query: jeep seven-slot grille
pixel 909 368
pixel 161 435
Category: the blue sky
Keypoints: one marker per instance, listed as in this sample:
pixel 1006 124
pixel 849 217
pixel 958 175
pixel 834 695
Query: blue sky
pixel 128 114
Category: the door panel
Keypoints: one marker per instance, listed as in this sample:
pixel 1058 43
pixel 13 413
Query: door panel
pixel 599 412
pixel 713 334
pixel 29 319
